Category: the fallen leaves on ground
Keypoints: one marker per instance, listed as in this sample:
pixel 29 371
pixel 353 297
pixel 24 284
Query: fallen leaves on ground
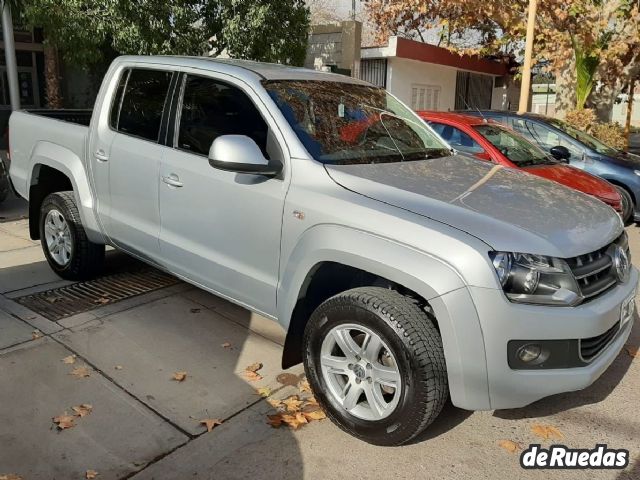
pixel 251 372
pixel 304 386
pixel 632 351
pixel 53 298
pixel 195 310
pixel 102 300
pixel 69 360
pixel 82 410
pixel 226 345
pixel 210 423
pixel 10 476
pixel 546 431
pixel 36 334
pixel 81 372
pixel 89 474
pixel 64 421
pixel 179 376
pixel 264 392
pixel 510 446
pixel 118 367
pixel 295 410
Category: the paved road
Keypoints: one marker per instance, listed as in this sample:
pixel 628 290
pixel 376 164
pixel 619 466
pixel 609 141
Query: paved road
pixel 144 425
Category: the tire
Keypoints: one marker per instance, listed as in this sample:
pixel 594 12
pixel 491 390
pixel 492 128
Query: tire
pixel 628 206
pixel 78 259
pixel 411 345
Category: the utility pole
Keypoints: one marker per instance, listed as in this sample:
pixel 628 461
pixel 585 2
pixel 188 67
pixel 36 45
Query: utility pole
pixel 353 10
pixel 528 53
pixel 10 55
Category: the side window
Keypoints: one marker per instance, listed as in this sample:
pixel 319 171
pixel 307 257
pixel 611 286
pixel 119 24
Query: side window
pixel 114 115
pixel 210 109
pixel 548 138
pixel 457 138
pixel 143 103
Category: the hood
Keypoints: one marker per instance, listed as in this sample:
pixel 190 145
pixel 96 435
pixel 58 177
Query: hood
pixel 508 209
pixel 575 178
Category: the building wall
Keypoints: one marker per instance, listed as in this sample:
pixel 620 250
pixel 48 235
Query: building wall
pixel 404 74
pixel 335 45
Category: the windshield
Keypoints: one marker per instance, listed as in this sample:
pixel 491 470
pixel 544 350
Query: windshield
pixel 517 149
pixel 344 123
pixel 583 137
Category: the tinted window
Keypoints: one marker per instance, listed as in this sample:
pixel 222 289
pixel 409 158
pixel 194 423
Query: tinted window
pixel 117 100
pixel 457 138
pixel 211 109
pixel 545 137
pixel 143 103
pixel 516 148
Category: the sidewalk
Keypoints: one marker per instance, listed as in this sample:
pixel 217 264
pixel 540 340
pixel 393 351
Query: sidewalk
pixel 145 425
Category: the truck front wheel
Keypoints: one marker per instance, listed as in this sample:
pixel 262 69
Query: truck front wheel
pixel 64 242
pixel 375 362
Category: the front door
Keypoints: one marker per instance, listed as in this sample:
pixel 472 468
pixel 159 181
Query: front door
pixel 221 229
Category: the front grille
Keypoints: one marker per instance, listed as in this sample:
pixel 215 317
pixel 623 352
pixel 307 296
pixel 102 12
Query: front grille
pixel 591 347
pixel 595 272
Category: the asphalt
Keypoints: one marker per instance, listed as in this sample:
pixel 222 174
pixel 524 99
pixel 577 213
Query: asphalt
pixel 145 425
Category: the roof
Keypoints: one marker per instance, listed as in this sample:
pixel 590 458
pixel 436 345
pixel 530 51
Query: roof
pixel 424 52
pixel 240 68
pixel 451 116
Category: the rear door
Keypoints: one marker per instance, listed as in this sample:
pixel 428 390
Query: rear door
pixel 222 229
pixel 133 159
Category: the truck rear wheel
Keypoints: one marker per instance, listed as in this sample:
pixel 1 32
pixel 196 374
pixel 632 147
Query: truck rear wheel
pixel 64 242
pixel 375 362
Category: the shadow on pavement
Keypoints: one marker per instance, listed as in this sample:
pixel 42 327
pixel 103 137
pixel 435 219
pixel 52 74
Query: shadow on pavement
pixel 139 350
pixel 449 418
pixel 595 393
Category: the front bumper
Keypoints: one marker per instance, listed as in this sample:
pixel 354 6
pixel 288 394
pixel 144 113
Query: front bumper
pixel 502 321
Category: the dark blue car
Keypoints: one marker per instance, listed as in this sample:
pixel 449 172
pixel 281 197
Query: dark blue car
pixel 581 150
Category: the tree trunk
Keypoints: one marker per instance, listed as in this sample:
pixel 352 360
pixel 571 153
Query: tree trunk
pixel 565 89
pixel 52 77
pixel 601 101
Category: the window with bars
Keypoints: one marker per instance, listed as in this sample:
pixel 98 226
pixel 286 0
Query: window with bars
pixel 425 97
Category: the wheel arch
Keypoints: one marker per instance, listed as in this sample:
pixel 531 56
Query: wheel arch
pixel 55 169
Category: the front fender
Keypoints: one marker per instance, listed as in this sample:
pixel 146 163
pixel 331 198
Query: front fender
pixel 67 162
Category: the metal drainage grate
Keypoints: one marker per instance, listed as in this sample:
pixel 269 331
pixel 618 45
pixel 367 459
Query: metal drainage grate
pixel 81 297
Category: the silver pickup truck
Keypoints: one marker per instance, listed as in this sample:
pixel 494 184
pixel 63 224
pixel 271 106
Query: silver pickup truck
pixel 403 273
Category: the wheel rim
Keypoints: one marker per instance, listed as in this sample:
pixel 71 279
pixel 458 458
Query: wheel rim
pixel 361 372
pixel 58 237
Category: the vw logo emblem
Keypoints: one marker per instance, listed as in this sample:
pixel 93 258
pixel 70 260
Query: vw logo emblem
pixel 621 264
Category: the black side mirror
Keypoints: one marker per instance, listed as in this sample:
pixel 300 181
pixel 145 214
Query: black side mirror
pixel 561 153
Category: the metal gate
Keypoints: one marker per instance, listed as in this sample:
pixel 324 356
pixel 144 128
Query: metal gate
pixel 473 91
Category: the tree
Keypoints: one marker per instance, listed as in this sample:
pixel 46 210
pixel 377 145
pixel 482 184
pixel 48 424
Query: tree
pixel 584 41
pixel 81 31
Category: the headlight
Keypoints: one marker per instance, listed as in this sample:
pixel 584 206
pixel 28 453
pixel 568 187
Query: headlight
pixel 528 278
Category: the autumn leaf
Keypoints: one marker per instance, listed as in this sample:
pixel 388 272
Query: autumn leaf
pixel 82 410
pixel 295 421
pixel 632 351
pixel 53 299
pixel 226 345
pixel 274 403
pixel 546 431
pixel 314 415
pixel 89 474
pixel 69 360
pixel 81 372
pixel 311 401
pixel 275 420
pixel 179 376
pixel 102 300
pixel 292 403
pixel 10 476
pixel 210 423
pixel 36 334
pixel 264 392
pixel 288 379
pixel 304 386
pixel 118 367
pixel 251 372
pixel 195 310
pixel 510 446
pixel 64 421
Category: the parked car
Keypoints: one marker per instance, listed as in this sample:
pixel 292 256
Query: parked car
pixel 582 150
pixel 402 273
pixel 492 142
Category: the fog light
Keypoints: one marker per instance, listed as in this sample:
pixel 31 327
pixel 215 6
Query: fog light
pixel 529 353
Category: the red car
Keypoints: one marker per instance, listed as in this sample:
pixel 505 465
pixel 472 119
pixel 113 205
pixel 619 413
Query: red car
pixel 492 142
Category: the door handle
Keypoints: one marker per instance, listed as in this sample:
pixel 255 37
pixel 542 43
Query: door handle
pixel 101 155
pixel 173 181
